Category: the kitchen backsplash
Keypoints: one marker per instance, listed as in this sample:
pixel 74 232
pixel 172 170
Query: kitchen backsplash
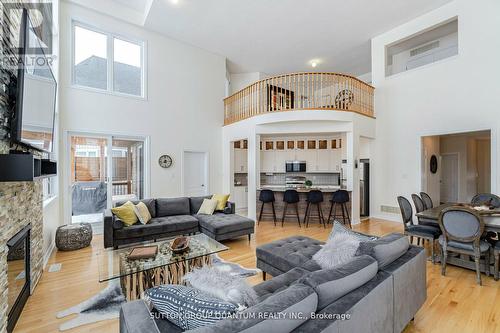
pixel 241 179
pixel 316 178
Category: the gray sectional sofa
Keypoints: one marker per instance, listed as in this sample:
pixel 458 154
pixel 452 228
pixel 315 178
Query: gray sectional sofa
pixel 377 293
pixel 176 216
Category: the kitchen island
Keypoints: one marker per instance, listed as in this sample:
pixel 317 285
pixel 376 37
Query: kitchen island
pixel 279 205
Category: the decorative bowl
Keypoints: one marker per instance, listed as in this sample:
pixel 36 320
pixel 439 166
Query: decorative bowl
pixel 179 244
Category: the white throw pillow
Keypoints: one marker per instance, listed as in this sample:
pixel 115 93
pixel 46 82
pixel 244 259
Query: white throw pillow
pixel 222 285
pixel 208 207
pixel 338 250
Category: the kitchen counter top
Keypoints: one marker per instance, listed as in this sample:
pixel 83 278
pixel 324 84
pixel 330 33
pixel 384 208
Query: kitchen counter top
pixel 283 188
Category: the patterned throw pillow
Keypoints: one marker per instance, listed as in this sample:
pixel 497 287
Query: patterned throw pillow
pixel 187 307
pixel 142 212
pixel 339 228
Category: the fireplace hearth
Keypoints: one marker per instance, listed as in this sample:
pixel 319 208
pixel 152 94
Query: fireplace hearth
pixel 18 274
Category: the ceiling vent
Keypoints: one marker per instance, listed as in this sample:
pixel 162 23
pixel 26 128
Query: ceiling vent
pixel 424 48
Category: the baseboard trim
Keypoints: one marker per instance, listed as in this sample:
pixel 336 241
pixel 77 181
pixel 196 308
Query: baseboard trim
pixel 47 254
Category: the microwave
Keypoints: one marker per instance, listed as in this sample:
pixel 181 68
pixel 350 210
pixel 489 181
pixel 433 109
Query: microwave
pixel 295 166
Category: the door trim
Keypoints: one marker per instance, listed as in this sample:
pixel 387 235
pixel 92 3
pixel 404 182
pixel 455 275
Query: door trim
pixel 207 169
pixel 457 154
pixel 66 175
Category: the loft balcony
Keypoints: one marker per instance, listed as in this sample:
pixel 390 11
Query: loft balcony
pixel 298 92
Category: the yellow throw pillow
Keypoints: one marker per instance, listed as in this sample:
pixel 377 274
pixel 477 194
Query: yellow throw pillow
pixel 222 200
pixel 208 207
pixel 142 212
pixel 126 213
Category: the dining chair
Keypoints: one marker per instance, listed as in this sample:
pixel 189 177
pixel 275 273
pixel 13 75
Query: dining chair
pixel 489 199
pixel 496 253
pixel 418 231
pixel 461 233
pixel 420 207
pixel 427 200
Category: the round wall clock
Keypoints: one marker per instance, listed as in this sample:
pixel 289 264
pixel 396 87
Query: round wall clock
pixel 434 164
pixel 165 161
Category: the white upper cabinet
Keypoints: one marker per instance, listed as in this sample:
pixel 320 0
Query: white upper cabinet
pixel 321 155
pixel 240 156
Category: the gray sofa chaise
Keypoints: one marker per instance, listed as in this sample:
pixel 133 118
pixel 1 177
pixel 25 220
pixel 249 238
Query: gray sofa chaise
pixel 367 294
pixel 176 216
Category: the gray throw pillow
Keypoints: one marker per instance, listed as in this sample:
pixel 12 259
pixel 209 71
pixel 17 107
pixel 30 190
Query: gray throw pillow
pixel 386 249
pixel 187 307
pixel 338 250
pixel 222 285
pixel 331 284
pixel 339 228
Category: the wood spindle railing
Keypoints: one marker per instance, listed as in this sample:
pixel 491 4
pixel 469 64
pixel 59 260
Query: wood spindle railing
pixel 300 91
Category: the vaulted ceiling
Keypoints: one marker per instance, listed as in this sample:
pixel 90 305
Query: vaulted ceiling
pixel 277 36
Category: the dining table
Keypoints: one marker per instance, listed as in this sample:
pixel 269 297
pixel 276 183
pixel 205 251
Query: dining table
pixel 491 218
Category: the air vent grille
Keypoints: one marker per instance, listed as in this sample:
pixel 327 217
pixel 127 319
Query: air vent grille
pixel 424 48
pixel 390 209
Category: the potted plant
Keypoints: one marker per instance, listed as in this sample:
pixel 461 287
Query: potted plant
pixel 308 183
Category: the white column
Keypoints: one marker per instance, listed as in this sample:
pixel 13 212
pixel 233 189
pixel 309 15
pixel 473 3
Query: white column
pixel 253 172
pixel 353 174
pixel 227 165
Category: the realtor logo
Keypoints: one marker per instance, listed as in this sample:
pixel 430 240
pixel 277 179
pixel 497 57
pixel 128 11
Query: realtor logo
pixel 40 17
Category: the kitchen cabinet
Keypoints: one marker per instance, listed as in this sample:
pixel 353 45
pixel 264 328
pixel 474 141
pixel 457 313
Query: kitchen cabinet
pixel 321 155
pixel 268 161
pixel 241 160
pixel 240 196
pixel 335 160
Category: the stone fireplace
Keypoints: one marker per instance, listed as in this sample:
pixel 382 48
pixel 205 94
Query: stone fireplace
pixel 18 282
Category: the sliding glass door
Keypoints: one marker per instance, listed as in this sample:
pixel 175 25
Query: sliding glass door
pixel 104 169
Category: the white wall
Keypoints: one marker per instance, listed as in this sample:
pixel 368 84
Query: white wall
pixel 434 99
pixel 239 81
pixel 430 181
pixel 52 207
pixel 183 109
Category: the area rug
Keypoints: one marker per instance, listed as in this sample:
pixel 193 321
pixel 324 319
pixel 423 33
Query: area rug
pixel 106 304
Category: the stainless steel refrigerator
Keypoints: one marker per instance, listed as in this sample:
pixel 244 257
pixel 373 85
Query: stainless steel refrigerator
pixel 364 184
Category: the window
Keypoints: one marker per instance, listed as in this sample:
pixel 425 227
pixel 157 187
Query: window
pixel 107 62
pixel 425 47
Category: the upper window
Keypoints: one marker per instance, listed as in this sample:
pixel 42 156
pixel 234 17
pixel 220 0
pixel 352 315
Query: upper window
pixel 423 48
pixel 107 62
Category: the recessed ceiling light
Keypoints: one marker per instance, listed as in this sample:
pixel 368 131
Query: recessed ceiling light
pixel 175 2
pixel 314 62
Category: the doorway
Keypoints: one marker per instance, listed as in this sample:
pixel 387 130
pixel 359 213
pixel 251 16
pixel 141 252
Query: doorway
pixel 449 177
pixel 104 169
pixel 195 173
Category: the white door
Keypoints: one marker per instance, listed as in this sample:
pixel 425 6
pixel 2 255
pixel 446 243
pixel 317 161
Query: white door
pixel 195 173
pixel 449 178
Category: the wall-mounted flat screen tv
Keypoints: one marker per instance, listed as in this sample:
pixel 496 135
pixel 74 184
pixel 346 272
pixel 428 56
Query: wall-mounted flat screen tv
pixel 33 121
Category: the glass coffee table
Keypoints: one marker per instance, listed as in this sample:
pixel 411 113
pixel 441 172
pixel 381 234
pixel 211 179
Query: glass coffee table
pixel 166 268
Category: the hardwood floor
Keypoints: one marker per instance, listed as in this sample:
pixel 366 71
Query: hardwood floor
pixel 455 303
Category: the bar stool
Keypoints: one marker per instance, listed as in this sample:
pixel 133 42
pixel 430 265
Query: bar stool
pixel 314 197
pixel 291 197
pixel 266 196
pixel 340 197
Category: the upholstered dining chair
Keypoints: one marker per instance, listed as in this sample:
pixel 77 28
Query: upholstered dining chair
pixel 427 200
pixel 496 253
pixel 486 199
pixel 420 207
pixel 461 233
pixel 418 231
